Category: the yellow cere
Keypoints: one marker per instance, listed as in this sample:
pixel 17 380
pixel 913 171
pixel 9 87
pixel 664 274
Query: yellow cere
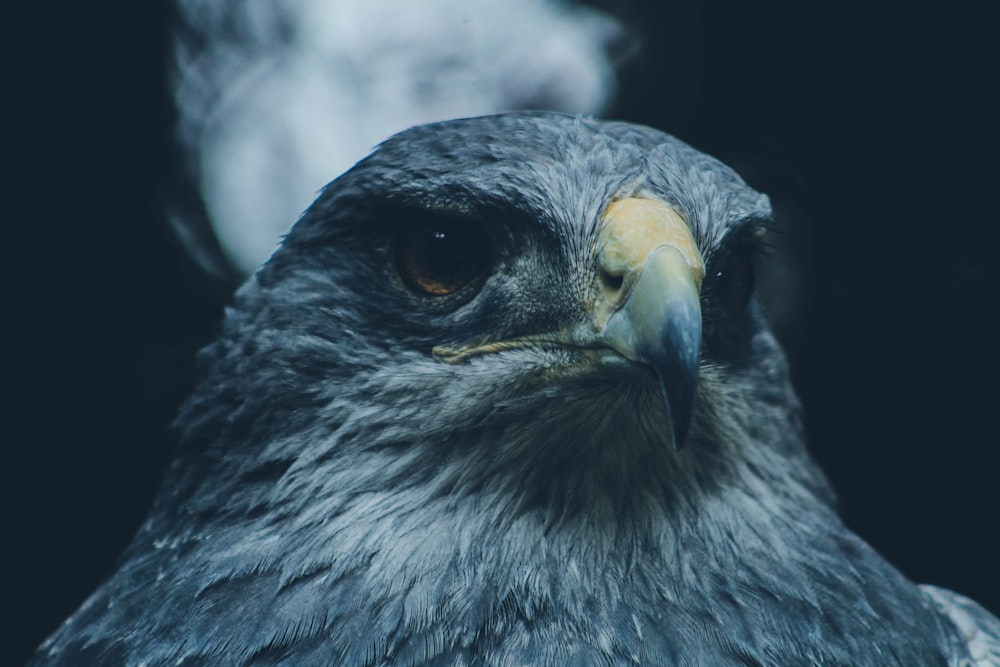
pixel 632 228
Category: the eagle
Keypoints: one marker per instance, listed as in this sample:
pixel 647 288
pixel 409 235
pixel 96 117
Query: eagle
pixel 506 395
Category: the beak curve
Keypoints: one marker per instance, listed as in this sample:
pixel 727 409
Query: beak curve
pixel 648 307
pixel 659 324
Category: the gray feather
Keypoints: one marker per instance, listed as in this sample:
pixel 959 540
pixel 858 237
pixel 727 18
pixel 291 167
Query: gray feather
pixel 342 497
pixel 978 641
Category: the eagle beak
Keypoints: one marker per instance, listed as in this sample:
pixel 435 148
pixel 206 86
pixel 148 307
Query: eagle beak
pixel 647 307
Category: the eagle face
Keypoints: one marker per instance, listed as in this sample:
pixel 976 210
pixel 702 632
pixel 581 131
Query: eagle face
pixel 504 395
pixel 541 305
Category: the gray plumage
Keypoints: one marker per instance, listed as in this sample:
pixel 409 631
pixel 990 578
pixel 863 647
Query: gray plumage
pixel 344 497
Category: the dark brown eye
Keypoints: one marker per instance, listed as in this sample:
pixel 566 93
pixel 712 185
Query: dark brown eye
pixel 440 258
pixel 736 280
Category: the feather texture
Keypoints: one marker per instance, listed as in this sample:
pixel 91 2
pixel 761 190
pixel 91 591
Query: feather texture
pixel 341 496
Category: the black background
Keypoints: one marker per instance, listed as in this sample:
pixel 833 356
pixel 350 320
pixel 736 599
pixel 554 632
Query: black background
pixel 872 125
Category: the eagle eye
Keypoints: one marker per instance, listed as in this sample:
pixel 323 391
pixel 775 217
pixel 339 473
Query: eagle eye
pixel 736 280
pixel 441 257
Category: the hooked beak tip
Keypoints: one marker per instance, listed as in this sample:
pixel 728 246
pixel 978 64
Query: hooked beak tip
pixel 660 325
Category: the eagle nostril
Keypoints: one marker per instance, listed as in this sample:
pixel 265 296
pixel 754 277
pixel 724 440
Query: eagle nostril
pixel 612 281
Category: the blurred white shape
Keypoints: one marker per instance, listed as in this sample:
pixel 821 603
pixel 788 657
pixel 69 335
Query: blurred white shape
pixel 276 98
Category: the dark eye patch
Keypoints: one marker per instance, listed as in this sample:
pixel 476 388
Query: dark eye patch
pixel 734 279
pixel 728 291
pixel 440 257
pixel 731 276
